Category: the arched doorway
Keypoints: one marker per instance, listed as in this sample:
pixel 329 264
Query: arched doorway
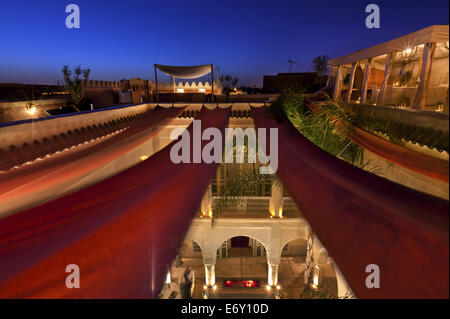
pixel 292 268
pixel 241 246
pixel 241 268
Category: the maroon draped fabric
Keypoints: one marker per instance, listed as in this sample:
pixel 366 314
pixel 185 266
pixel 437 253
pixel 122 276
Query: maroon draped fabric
pixel 70 166
pixel 421 163
pixel 122 232
pixel 418 162
pixel 363 219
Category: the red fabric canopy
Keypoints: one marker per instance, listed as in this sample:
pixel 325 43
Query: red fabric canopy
pixel 122 232
pixel 363 219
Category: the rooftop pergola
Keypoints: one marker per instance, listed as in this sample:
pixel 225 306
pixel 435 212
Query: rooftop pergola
pixel 379 69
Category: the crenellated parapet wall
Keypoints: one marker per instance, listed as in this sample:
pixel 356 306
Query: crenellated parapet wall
pixel 189 87
pixel 94 84
pixel 25 141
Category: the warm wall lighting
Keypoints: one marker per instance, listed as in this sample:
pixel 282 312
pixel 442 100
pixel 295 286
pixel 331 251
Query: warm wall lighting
pixel 143 157
pixel 202 90
pixel 316 274
pixel 180 90
pixel 31 109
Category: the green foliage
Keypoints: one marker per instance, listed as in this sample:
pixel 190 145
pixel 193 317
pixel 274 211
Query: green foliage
pixel 74 84
pixel 229 83
pixel 242 185
pixel 319 127
pixel 398 132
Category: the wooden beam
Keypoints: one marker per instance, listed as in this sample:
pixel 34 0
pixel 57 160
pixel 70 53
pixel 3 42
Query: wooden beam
pixel 387 73
pixel 212 83
pixel 366 80
pixel 422 90
pixel 156 84
pixel 351 81
pixel 337 84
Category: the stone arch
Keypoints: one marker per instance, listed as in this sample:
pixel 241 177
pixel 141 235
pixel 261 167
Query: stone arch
pixel 299 250
pixel 289 235
pixel 187 248
pixel 198 241
pixel 239 233
pixel 265 245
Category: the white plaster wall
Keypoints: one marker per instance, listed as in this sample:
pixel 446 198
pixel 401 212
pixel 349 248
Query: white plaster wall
pixel 273 234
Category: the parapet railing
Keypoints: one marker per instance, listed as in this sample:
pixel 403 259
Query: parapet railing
pixel 26 140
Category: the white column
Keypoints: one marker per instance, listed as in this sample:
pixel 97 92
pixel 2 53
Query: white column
pixel 210 274
pixel 276 199
pixel 272 276
pixel 206 205
pixel 422 90
pixel 337 84
pixel 387 73
pixel 274 254
pixel 209 255
pixel 344 290
pixel 366 80
pixel 351 81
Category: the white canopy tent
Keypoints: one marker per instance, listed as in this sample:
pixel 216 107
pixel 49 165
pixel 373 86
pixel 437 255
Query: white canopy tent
pixel 430 44
pixel 185 72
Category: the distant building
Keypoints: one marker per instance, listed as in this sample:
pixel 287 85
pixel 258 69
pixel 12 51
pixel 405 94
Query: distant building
pixel 309 82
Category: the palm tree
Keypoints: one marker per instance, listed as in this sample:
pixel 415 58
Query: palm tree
pixel 320 64
pixel 74 83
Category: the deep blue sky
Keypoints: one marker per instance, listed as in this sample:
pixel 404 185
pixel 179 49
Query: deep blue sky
pixel 246 38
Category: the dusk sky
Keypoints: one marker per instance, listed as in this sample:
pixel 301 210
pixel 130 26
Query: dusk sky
pixel 246 38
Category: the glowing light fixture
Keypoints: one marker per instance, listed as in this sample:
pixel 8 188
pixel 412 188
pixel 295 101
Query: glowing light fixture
pixel 214 287
pixel 268 288
pixel 315 281
pixel 202 90
pixel 408 53
pixel 180 90
pixel 31 108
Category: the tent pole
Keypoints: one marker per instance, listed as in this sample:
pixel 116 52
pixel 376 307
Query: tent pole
pixel 212 83
pixel 156 83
